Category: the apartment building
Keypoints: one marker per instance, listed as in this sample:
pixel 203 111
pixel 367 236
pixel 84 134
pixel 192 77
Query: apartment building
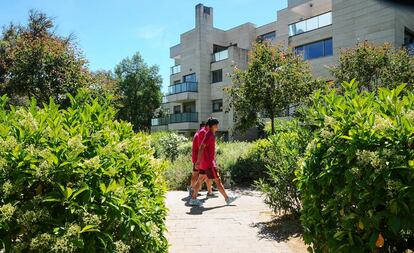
pixel 318 29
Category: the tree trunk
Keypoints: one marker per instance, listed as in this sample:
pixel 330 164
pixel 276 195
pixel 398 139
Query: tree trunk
pixel 272 122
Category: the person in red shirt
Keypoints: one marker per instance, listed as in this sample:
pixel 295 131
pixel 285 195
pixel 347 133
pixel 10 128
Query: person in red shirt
pixel 197 139
pixel 206 164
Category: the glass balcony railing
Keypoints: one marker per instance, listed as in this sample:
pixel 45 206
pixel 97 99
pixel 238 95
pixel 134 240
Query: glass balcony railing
pixel 175 69
pixel 175 118
pixel 184 117
pixel 183 87
pixel 222 55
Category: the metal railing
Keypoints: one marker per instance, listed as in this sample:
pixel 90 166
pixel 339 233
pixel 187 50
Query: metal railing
pixel 222 55
pixel 175 118
pixel 175 69
pixel 183 87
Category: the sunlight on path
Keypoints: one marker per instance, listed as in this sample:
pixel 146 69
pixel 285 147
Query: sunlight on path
pixel 219 228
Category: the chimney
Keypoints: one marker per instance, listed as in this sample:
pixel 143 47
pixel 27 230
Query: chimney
pixel 204 15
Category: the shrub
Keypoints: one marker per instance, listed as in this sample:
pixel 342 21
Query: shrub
pixel 74 180
pixel 168 144
pixel 250 164
pixel 285 149
pixel 357 178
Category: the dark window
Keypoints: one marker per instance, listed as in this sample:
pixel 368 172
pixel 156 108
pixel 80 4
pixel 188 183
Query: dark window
pixel 408 37
pixel 218 48
pixel 218 105
pixel 328 47
pixel 316 49
pixel 177 109
pixel 217 76
pixel 189 107
pixel 177 81
pixel 269 36
pixel 190 78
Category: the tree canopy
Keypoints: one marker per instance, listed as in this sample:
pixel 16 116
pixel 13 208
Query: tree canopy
pixel 140 91
pixel 276 78
pixel 36 63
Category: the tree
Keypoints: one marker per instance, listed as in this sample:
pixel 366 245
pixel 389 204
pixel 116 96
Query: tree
pixel 36 63
pixel 375 66
pixel 275 79
pixel 140 91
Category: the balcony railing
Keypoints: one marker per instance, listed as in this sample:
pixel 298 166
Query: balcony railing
pixel 175 118
pixel 175 69
pixel 222 55
pixel 183 87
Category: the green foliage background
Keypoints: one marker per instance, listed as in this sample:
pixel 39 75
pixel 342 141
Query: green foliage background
pixel 75 180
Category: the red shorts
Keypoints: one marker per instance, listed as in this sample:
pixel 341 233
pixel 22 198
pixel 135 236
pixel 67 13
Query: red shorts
pixel 211 173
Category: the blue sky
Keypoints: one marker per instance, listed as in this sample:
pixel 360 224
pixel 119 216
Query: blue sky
pixel 109 30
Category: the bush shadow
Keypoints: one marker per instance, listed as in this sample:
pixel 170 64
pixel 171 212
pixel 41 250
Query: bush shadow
pixel 281 228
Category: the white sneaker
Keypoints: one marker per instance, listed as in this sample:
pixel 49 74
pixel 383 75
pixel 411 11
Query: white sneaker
pixel 231 199
pixel 195 202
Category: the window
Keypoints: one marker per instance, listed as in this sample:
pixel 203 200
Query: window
pixel 310 24
pixel 217 76
pixel 190 78
pixel 315 50
pixel 218 105
pixel 177 81
pixel 189 107
pixel 177 109
pixel 269 36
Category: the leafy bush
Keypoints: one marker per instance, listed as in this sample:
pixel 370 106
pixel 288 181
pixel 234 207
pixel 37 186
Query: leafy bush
pixel 286 148
pixel 168 144
pixel 74 180
pixel 250 164
pixel 357 178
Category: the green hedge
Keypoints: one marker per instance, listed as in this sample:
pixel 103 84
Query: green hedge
pixel 75 180
pixel 357 179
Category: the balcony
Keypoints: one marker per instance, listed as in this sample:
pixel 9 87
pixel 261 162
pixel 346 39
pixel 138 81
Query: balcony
pixel 222 55
pixel 175 69
pixel 175 118
pixel 183 87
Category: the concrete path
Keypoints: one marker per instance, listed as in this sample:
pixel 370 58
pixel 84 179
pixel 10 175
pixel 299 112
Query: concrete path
pixel 220 228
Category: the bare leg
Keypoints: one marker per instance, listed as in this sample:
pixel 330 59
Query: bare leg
pixel 220 187
pixel 209 183
pixel 194 178
pixel 197 186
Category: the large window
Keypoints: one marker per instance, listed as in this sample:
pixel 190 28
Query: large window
pixel 218 105
pixel 177 109
pixel 269 36
pixel 217 76
pixel 315 50
pixel 190 78
pixel 310 24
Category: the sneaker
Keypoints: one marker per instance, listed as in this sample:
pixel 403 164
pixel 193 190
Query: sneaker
pixel 231 199
pixel 211 195
pixel 195 202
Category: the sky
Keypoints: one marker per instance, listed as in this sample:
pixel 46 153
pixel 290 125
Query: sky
pixel 108 31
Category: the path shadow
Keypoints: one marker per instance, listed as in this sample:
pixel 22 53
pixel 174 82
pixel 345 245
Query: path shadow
pixel 280 229
pixel 198 210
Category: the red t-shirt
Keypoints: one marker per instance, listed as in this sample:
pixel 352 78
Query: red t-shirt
pixel 208 157
pixel 197 139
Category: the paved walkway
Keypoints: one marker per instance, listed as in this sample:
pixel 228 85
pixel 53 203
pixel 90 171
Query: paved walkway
pixel 219 228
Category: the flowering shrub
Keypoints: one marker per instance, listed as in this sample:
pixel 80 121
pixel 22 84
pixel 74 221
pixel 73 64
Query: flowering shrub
pixel 75 180
pixel 357 179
